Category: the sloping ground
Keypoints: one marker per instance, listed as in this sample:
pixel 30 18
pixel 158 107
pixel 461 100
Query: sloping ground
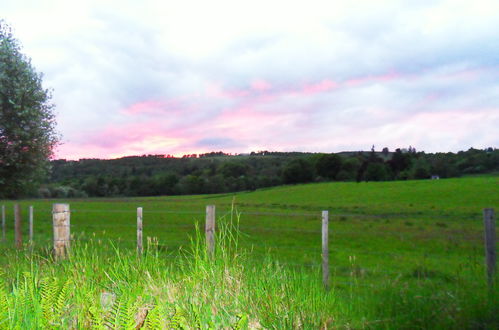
pixel 460 196
pixel 402 255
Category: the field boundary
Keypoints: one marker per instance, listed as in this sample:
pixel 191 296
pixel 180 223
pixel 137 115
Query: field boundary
pixel 62 237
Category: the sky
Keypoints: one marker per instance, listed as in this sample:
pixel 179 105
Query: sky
pixel 184 77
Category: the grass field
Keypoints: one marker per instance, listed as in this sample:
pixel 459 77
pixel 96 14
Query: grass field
pixel 402 255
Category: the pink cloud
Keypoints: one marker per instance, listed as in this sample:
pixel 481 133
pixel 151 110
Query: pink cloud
pixel 148 137
pixel 144 107
pixel 322 86
pixel 260 85
pixel 154 107
pixel 266 116
pixel 218 92
pixel 427 101
pixel 371 78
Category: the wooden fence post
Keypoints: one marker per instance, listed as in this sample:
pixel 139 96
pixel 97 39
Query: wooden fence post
pixel 17 226
pixel 31 225
pixel 3 223
pixel 325 249
pixel 490 244
pixel 61 223
pixel 210 229
pixel 140 247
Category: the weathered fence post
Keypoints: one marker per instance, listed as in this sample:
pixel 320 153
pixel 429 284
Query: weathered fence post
pixel 490 244
pixel 3 223
pixel 140 247
pixel 61 223
pixel 210 229
pixel 31 225
pixel 325 249
pixel 17 226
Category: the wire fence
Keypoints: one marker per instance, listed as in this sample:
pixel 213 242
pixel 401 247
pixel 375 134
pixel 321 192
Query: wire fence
pixel 293 238
pixel 363 248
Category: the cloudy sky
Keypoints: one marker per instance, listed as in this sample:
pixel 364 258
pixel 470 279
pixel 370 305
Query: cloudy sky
pixel 178 77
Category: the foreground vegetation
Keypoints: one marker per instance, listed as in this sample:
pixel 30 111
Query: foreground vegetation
pixel 116 289
pixel 403 255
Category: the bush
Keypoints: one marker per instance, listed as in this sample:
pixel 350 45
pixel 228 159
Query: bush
pixel 298 171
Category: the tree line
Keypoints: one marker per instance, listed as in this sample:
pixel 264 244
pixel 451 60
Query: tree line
pixel 218 172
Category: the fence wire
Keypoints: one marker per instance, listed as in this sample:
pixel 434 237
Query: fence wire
pixel 249 233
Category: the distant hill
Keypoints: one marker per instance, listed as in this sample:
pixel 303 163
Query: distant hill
pixel 218 172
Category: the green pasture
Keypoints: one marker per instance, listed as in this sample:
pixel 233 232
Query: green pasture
pixel 394 246
pixel 418 221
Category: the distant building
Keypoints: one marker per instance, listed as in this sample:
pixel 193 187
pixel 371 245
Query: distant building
pixel 435 177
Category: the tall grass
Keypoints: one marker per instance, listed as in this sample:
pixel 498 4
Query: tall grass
pixel 104 287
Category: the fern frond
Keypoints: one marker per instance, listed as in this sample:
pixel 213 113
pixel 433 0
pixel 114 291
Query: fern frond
pixel 197 319
pixel 25 292
pixel 4 303
pixel 127 317
pixel 178 320
pixel 113 318
pixel 48 293
pixel 153 320
pixel 96 320
pixel 62 298
pixel 241 323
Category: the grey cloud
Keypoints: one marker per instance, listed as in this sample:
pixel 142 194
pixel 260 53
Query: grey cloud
pixel 218 142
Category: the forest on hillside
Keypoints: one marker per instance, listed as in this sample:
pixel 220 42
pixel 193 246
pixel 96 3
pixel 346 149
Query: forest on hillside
pixel 217 172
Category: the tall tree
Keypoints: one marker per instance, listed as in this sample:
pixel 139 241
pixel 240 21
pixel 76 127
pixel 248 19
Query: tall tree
pixel 328 165
pixel 298 171
pixel 27 123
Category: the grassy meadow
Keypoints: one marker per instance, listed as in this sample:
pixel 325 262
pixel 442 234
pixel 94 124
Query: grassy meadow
pixel 403 254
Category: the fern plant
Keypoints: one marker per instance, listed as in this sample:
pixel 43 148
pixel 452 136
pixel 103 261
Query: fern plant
pixel 178 320
pixel 153 319
pixel 96 320
pixel 4 303
pixel 241 323
pixel 54 298
pixel 122 314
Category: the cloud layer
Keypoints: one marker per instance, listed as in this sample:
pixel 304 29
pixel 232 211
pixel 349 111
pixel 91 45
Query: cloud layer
pixel 156 77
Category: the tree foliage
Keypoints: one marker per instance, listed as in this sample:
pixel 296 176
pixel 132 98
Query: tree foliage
pixel 328 165
pixel 27 123
pixel 298 171
pixel 222 173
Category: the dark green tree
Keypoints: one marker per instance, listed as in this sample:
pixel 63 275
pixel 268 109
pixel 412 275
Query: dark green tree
pixel 298 171
pixel 27 123
pixel 233 169
pixel 349 168
pixel 376 172
pixel 421 169
pixel 328 165
pixel 400 161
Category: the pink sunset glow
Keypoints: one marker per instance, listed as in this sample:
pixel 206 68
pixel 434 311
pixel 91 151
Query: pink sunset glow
pixel 151 79
pixel 259 117
pixel 260 85
pixel 322 86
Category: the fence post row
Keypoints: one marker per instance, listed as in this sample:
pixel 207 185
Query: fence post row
pixel 490 244
pixel 18 226
pixel 61 223
pixel 210 229
pixel 325 249
pixel 3 223
pixel 140 247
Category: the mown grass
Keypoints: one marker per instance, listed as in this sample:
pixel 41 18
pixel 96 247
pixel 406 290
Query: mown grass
pixel 403 255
